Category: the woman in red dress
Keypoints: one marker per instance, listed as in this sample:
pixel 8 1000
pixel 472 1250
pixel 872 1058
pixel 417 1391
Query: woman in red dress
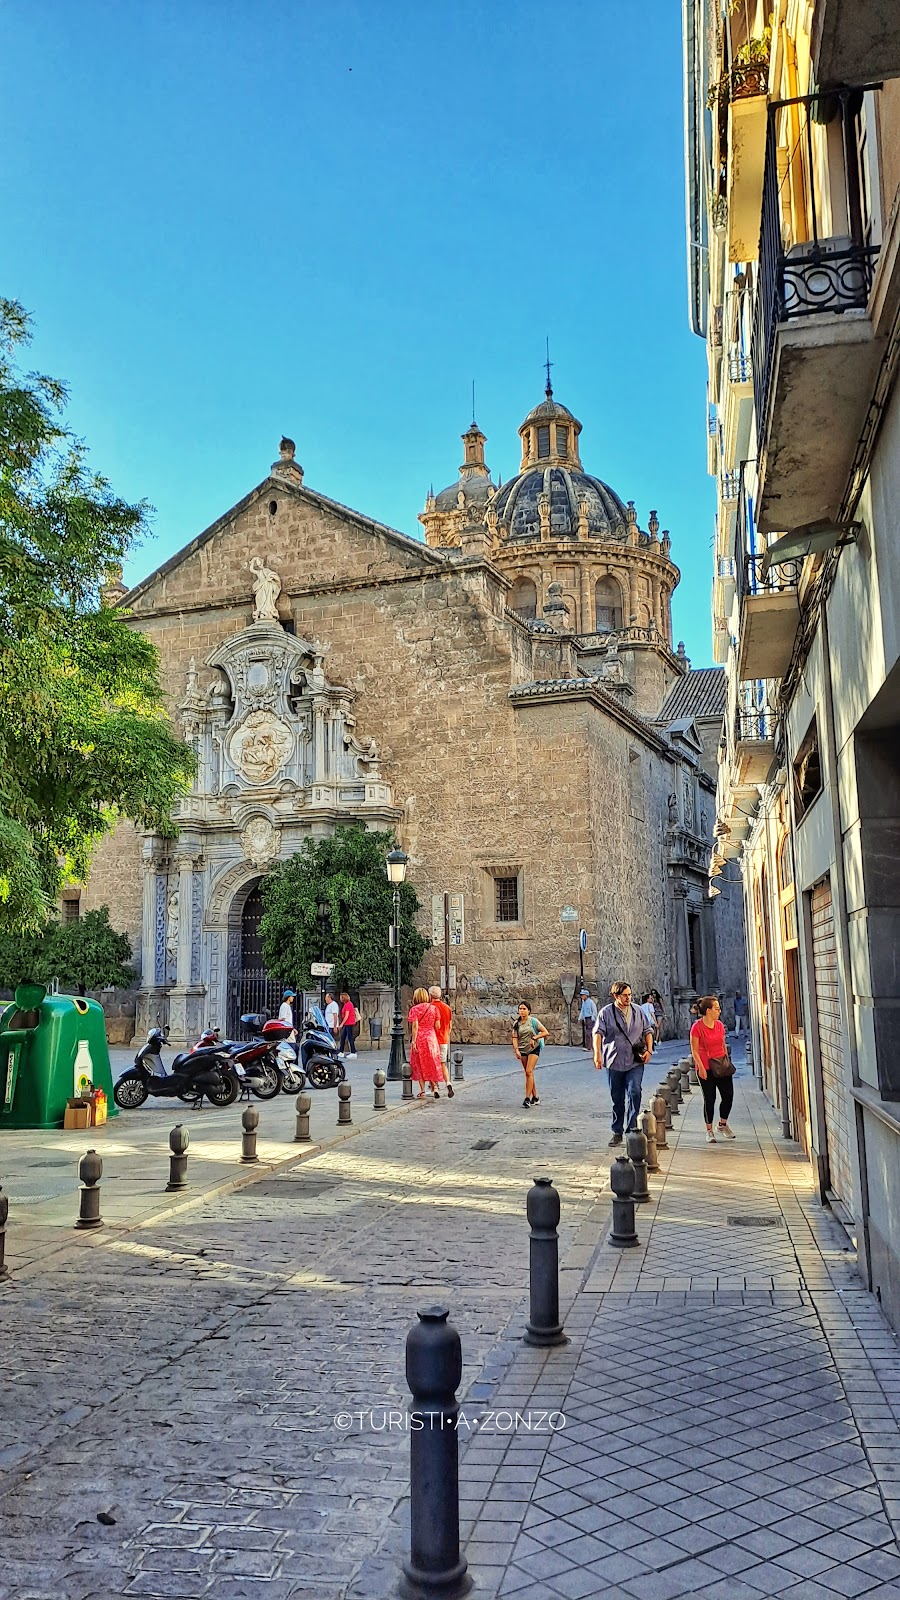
pixel 707 1042
pixel 425 1055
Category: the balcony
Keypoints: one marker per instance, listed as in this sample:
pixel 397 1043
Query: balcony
pixel 769 617
pixel 814 352
pixel 747 108
pixel 854 40
pixel 754 720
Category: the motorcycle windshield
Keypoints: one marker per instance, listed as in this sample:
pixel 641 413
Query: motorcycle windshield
pixel 318 1019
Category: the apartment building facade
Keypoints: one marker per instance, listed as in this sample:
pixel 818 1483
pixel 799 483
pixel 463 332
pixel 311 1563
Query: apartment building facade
pixel 793 224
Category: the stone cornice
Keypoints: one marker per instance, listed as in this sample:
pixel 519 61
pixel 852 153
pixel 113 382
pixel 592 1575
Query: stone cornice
pixel 559 690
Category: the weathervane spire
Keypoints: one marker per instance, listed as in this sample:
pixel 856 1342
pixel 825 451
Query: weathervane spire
pixel 548 364
pixel 473 402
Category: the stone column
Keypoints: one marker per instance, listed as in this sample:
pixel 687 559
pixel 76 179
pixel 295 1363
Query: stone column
pixel 185 998
pixel 151 1009
pixel 587 623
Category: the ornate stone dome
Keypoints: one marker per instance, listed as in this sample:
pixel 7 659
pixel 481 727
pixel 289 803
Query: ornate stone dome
pixel 473 487
pixel 518 504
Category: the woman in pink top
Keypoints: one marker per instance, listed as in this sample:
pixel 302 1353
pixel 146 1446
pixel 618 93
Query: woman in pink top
pixel 708 1044
pixel 348 1027
pixel 425 1055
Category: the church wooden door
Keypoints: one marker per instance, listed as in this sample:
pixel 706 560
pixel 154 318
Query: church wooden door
pixel 251 988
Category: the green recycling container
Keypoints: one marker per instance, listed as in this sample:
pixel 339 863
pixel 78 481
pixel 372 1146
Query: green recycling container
pixel 52 1049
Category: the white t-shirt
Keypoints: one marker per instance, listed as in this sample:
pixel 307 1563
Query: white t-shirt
pixel 286 1013
pixel 332 1014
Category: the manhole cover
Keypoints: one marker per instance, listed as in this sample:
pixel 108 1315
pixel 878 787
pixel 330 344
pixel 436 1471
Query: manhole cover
pixel 484 1144
pixel 310 1186
pixel 543 1128
pixel 754 1222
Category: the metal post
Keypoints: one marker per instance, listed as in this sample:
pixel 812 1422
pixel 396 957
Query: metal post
pixel 90 1171
pixel 249 1123
pixel 684 1067
pixel 542 1208
pixel 435 1570
pixel 4 1215
pixel 378 1080
pixel 303 1104
pixel 648 1123
pixel 658 1107
pixel 344 1118
pixel 636 1150
pixel 673 1078
pixel 457 1066
pixel 179 1139
pixel 621 1181
pixel 397 1057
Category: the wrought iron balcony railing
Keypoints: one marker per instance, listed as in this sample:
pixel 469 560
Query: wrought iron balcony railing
pixel 731 485
pixel 824 273
pixel 755 715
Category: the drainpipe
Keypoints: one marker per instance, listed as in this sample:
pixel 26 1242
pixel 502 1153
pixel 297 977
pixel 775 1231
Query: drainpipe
pixel 776 983
pixel 842 933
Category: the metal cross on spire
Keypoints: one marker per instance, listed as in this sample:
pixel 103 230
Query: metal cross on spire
pixel 473 403
pixel 548 364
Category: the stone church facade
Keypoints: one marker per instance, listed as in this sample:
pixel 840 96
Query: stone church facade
pixel 505 695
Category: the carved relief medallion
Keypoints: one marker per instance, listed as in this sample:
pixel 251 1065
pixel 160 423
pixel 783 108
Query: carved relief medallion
pixel 261 746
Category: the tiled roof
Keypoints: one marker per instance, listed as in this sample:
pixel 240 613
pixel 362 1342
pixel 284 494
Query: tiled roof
pixel 700 693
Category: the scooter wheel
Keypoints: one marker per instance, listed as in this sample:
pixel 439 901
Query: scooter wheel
pixel 267 1085
pixel 130 1092
pixel 319 1073
pixel 292 1082
pixel 339 1072
pixel 225 1093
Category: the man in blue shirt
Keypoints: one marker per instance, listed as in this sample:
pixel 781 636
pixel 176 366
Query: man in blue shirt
pixel 623 1045
pixel 587 1016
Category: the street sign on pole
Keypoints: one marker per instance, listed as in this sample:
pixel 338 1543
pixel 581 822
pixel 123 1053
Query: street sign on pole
pixel 582 940
pixel 321 969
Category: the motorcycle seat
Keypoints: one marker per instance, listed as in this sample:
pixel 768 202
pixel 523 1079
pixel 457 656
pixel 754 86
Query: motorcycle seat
pixel 192 1058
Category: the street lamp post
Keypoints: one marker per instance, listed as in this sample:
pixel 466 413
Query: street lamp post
pixel 322 910
pixel 397 862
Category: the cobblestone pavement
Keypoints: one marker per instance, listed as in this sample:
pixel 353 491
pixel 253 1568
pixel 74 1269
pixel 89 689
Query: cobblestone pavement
pixel 729 1391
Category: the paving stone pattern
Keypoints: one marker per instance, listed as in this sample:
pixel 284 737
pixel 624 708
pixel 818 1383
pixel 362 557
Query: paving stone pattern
pixel 730 1393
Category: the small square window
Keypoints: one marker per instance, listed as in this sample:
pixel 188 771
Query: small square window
pixel 506 899
pixel 71 910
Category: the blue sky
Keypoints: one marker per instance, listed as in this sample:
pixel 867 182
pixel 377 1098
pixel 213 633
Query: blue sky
pixel 236 218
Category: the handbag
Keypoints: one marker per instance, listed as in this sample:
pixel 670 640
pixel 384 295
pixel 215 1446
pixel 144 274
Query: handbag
pixel 720 1066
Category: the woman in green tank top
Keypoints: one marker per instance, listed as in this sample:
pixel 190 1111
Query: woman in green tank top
pixel 528 1037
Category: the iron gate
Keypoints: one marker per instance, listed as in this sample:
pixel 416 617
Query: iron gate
pixel 251 989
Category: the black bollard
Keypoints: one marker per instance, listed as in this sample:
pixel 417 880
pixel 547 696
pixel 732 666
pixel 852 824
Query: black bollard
pixel 379 1080
pixel 249 1123
pixel 665 1094
pixel 621 1181
pixel 658 1107
pixel 407 1082
pixel 435 1570
pixel 303 1104
pixel 636 1150
pixel 344 1118
pixel 673 1079
pixel 90 1171
pixel 179 1139
pixel 4 1216
pixel 457 1066
pixel 648 1123
pixel 542 1208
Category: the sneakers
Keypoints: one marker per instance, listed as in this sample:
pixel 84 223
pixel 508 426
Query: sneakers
pixel 725 1131
pixel 526 1105
pixel 710 1136
pixel 352 1056
pixel 616 1139
pixel 449 1091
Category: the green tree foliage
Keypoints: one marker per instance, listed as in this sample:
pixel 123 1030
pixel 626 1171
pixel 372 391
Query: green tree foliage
pixel 347 872
pixel 84 735
pixel 88 954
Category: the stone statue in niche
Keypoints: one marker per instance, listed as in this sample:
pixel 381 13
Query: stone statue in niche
pixel 704 826
pixel 261 746
pixel 266 589
pixel 172 923
pixel 688 793
pixel 317 679
pixel 612 671
pixel 672 807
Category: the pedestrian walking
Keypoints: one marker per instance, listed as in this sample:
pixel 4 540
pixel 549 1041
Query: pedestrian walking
pixel 348 1027
pixel 442 1029
pixel 587 1016
pixel 527 1042
pixel 623 1044
pixel 425 1052
pixel 714 1065
pixel 740 1011
pixel 649 1009
pixel 332 1017
pixel 286 1012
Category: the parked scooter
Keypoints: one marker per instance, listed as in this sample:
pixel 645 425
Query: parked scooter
pixel 318 1052
pixel 193 1075
pixel 255 1061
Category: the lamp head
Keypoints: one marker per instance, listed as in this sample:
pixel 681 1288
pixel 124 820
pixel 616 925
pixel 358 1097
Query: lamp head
pixel 397 861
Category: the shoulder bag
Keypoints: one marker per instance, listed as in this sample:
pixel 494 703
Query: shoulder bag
pixel 721 1066
pixel 637 1050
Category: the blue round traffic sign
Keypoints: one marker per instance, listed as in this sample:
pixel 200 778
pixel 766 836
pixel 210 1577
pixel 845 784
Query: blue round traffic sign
pixel 582 938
